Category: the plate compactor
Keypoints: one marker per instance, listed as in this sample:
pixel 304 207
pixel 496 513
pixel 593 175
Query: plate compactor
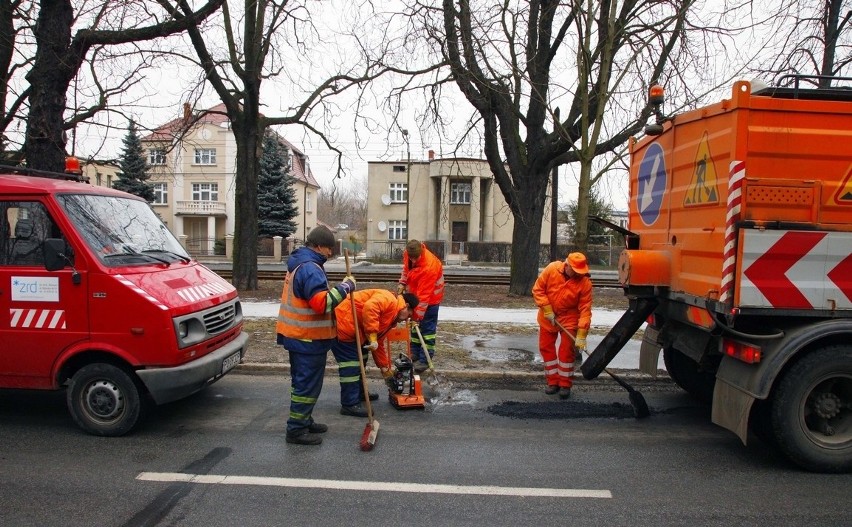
pixel 405 390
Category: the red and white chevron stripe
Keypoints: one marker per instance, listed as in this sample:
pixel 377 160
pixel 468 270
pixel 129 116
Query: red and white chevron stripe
pixel 36 318
pixel 736 174
pixel 200 292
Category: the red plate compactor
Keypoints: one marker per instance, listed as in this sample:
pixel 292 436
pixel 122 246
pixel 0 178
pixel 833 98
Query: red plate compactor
pixel 405 390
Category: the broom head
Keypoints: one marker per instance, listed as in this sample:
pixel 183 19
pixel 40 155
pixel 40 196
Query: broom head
pixel 368 438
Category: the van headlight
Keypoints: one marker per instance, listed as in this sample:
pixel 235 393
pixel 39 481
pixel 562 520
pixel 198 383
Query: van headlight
pixel 183 330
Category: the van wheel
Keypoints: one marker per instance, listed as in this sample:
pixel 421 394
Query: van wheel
pixel 812 410
pixel 686 373
pixel 104 400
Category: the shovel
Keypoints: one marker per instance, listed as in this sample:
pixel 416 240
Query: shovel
pixel 637 400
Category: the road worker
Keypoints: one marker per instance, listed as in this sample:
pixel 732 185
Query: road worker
pixel 563 293
pixel 306 329
pixel 378 310
pixel 423 275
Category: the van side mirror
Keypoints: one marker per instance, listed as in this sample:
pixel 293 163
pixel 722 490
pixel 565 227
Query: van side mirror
pixel 54 254
pixel 54 250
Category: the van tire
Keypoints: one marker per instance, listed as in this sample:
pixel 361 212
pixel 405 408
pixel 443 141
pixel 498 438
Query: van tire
pixel 812 410
pixel 104 400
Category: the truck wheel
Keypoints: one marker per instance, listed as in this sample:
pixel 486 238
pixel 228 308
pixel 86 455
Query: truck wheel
pixel 104 400
pixel 686 374
pixel 812 410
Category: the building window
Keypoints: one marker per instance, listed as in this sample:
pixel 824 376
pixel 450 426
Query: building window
pixel 156 156
pixel 398 192
pixel 308 199
pixel 399 168
pixel 397 230
pixel 460 194
pixel 161 193
pixel 205 156
pixel 205 192
pixel 109 181
pixel 100 179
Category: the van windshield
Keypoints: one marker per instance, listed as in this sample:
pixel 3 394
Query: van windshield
pixel 122 231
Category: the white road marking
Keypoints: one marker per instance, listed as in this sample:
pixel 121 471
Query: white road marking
pixel 213 479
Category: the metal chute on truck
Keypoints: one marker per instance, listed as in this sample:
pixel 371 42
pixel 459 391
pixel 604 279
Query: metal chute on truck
pixel 739 258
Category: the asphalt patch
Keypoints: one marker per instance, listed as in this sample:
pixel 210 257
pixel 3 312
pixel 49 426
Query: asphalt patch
pixel 561 410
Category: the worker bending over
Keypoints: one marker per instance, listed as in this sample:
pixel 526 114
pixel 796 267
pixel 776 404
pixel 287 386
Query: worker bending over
pixel 378 310
pixel 563 293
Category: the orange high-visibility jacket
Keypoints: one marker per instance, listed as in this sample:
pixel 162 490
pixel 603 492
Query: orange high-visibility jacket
pixel 377 311
pixel 570 299
pixel 425 279
pixel 297 319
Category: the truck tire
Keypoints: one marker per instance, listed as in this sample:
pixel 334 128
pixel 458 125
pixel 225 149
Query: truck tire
pixel 104 400
pixel 686 374
pixel 812 410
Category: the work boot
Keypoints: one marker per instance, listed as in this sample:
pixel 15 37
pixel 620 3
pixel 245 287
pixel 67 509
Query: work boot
pixel 564 393
pixel 373 396
pixel 356 410
pixel 317 428
pixel 303 437
pixel 420 366
pixel 551 389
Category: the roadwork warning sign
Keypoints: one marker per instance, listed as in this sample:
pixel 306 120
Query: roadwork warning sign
pixel 702 187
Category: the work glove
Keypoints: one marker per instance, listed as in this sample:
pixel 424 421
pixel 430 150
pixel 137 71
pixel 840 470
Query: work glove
pixel 372 344
pixel 580 341
pixel 400 289
pixel 347 286
pixel 549 315
pixel 412 323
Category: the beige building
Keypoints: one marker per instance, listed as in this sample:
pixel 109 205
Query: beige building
pixel 452 199
pixel 193 170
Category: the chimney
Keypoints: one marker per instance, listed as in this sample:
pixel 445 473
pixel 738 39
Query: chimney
pixel 187 111
pixel 431 155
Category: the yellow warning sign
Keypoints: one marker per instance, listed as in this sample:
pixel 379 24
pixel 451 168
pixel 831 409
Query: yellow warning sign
pixel 702 187
pixel 844 192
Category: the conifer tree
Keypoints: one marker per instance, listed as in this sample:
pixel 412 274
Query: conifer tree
pixel 276 196
pixel 133 176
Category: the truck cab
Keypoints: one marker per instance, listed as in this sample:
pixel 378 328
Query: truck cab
pixel 99 298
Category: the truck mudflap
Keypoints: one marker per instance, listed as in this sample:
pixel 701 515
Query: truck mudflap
pixel 170 384
pixel 621 332
pixel 731 408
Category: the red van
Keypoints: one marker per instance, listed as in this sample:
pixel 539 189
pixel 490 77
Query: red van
pixel 97 296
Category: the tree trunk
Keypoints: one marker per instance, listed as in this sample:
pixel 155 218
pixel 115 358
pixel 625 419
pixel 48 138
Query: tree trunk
pixel 526 233
pixel 44 145
pixel 248 141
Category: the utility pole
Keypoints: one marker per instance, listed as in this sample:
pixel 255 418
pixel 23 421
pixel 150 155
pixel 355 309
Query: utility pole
pixel 407 183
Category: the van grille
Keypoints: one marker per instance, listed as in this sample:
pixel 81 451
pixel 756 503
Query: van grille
pixel 220 319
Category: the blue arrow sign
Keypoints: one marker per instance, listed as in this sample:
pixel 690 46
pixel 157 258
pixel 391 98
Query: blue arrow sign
pixel 652 184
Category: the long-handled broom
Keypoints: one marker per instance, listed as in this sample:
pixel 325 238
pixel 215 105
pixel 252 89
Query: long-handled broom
pixel 368 438
pixel 637 400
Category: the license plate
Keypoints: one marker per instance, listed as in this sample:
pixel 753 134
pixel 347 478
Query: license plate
pixel 231 361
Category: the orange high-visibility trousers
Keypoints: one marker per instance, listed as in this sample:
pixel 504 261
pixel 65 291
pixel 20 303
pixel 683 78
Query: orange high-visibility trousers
pixel 558 362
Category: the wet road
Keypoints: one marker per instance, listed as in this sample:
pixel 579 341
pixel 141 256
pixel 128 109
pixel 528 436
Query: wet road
pixel 472 457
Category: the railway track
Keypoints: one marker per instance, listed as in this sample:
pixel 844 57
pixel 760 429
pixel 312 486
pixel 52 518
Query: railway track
pixel 378 277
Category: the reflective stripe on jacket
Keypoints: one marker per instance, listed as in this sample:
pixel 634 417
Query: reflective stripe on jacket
pixel 296 318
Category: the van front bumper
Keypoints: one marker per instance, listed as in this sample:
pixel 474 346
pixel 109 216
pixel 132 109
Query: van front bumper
pixel 170 384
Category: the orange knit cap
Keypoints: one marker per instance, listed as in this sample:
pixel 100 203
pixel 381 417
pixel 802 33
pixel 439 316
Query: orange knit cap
pixel 578 263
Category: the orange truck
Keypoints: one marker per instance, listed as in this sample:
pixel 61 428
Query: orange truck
pixel 98 298
pixel 739 259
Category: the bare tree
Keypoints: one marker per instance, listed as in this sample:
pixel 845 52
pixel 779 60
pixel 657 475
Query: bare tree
pixel 59 57
pixel 509 60
pixel 15 18
pixel 809 37
pixel 268 29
